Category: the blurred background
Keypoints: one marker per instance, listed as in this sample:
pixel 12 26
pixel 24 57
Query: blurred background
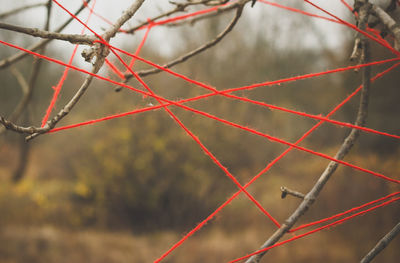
pixel 127 189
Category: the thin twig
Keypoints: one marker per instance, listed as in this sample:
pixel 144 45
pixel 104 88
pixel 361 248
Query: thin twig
pixel 331 168
pixel 16 57
pixel 73 38
pixel 180 7
pixel 381 245
pixel 193 20
pixel 219 37
pixel 20 9
pixel 286 191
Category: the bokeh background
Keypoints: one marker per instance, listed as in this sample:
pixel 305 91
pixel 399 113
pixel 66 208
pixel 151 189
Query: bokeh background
pixel 125 190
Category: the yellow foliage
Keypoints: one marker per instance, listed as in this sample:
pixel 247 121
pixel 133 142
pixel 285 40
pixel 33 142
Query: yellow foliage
pixel 40 199
pixel 23 188
pixel 82 189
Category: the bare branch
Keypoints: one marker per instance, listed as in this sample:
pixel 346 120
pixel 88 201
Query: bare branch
pixel 389 23
pixel 331 168
pixel 180 8
pixel 382 244
pixel 21 9
pixel 193 20
pixel 16 57
pixel 73 38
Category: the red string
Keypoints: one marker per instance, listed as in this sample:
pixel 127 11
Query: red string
pixel 272 163
pixel 115 69
pixel 218 119
pixel 317 230
pixel 202 97
pixel 370 130
pixel 275 139
pixel 58 87
pixel 197 140
pixel 347 5
pixel 181 124
pixel 272 138
pixel 146 34
pixel 161 100
pixel 101 17
pixel 77 19
pixel 343 213
pixel 224 93
pixel 183 17
pixel 383 43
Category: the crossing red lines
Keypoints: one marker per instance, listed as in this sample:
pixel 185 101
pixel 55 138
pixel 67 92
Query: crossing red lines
pixel 166 104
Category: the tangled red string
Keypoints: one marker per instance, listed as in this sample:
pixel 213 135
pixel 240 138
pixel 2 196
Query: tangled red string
pixel 165 103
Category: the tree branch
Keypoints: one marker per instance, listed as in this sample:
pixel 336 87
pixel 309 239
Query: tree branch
pixel 381 245
pixel 389 23
pixel 16 57
pixel 73 38
pixel 100 52
pixel 331 168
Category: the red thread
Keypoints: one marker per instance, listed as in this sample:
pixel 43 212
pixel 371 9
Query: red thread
pixel 224 93
pixel 212 215
pixel 343 213
pixel 101 17
pixel 146 34
pixel 346 5
pixel 57 88
pixel 182 17
pixel 216 118
pixel 160 99
pixel 115 69
pixel 202 146
pixel 316 230
pixel 357 29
